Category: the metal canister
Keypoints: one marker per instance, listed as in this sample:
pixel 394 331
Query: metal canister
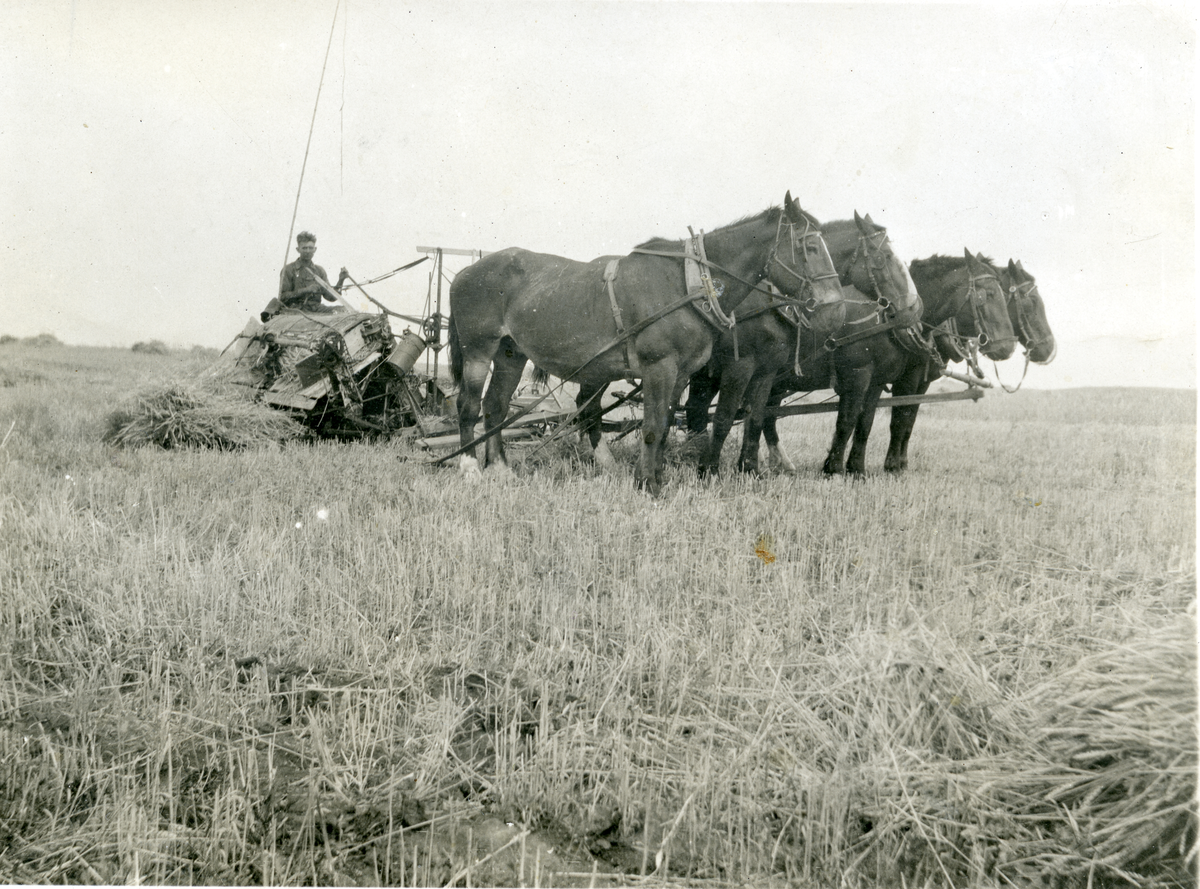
pixel 408 349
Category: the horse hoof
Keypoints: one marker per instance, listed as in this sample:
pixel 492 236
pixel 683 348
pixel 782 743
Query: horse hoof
pixel 501 472
pixel 603 458
pixel 694 447
pixel 653 488
pixel 469 467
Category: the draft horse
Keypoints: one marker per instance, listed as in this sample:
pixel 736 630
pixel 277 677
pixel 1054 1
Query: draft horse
pixel 770 339
pixel 867 355
pixel 632 317
pixel 1027 316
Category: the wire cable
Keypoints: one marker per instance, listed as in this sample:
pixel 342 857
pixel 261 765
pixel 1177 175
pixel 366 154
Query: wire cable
pixel 311 127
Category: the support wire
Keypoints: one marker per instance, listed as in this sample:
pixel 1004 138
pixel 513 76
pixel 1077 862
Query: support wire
pixel 312 125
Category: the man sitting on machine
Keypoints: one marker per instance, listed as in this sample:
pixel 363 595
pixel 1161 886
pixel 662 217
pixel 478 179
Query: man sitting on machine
pixel 298 284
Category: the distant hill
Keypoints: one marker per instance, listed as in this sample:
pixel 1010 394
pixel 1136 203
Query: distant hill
pixel 1138 406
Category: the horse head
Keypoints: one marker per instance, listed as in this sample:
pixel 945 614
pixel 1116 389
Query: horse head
pixel 801 267
pixel 875 269
pixel 986 309
pixel 1027 313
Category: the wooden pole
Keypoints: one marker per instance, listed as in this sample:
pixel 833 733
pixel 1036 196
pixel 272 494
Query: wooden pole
pixel 792 410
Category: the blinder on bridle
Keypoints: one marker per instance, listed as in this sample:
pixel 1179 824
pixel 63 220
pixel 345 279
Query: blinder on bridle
pixel 949 328
pixel 1023 294
pixel 976 300
pixel 872 253
pixel 807 239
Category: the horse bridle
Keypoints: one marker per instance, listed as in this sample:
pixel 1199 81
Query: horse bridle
pixel 870 251
pixel 966 347
pixel 800 242
pixel 976 304
pixel 1026 290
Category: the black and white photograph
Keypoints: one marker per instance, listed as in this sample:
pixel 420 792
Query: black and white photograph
pixel 436 443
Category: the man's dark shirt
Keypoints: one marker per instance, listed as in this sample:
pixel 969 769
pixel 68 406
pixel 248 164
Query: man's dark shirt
pixel 298 289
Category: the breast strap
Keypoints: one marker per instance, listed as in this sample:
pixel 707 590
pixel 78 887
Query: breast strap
pixel 610 275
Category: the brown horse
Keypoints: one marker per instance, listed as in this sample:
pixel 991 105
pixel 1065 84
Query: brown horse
pixel 642 322
pixel 967 290
pixel 770 340
pixel 1027 314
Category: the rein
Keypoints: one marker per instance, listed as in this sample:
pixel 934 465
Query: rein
pixel 1024 371
pixel 631 332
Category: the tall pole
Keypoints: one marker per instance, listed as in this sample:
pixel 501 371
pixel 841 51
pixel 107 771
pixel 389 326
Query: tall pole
pixel 307 145
pixel 437 315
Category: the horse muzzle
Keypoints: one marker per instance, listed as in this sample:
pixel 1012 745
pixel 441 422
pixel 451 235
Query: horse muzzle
pixel 1043 351
pixel 999 349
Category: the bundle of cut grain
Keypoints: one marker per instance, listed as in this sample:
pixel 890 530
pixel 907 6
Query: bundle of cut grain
pixel 1090 779
pixel 1121 730
pixel 180 415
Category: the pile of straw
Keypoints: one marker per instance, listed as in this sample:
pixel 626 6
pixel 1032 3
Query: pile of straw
pixel 1121 730
pixel 1100 791
pixel 179 415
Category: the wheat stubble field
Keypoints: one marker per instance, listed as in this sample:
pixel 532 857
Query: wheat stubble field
pixel 320 663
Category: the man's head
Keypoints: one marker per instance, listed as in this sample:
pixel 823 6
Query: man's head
pixel 306 244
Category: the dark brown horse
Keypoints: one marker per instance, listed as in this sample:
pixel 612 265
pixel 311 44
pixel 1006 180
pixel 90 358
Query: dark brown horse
pixel 1027 314
pixel 771 340
pixel 966 290
pixel 514 305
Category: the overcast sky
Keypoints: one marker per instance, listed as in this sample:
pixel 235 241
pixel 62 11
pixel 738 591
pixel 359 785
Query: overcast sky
pixel 153 150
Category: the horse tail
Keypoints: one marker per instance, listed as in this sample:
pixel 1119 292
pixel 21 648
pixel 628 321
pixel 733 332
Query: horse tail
pixel 456 354
pixel 540 377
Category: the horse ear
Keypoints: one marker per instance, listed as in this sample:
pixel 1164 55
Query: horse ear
pixel 968 254
pixel 1012 266
pixel 859 222
pixel 870 222
pixel 1021 267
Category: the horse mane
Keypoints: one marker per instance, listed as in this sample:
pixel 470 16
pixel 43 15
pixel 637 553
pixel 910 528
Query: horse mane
pixel 837 225
pixel 663 243
pixel 938 265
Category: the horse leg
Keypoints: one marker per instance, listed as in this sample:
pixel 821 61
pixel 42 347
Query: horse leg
pixel 589 424
pixel 757 395
pixel 734 381
pixel 852 385
pixel 507 367
pixel 658 391
pixel 470 393
pixel 702 389
pixel 777 458
pixel 856 464
pixel 914 382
